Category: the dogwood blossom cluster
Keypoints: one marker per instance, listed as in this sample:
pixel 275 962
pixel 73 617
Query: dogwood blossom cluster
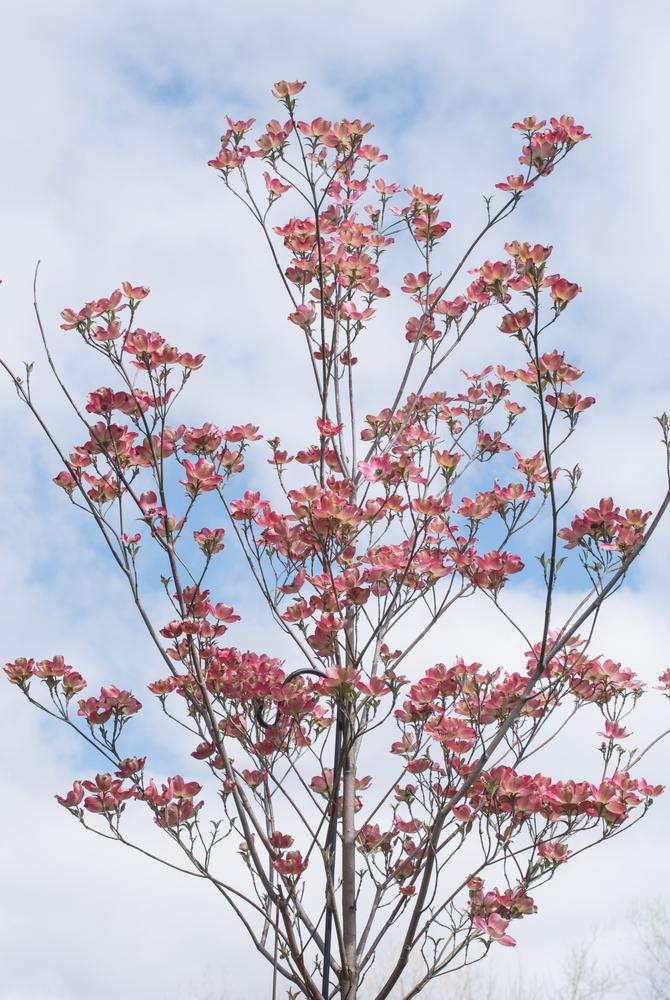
pixel 379 524
pixel 604 529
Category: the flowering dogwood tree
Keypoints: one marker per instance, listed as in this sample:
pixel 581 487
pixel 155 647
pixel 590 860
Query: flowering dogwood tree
pixel 371 806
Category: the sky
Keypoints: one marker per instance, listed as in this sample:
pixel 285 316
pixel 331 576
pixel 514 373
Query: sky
pixel 110 113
